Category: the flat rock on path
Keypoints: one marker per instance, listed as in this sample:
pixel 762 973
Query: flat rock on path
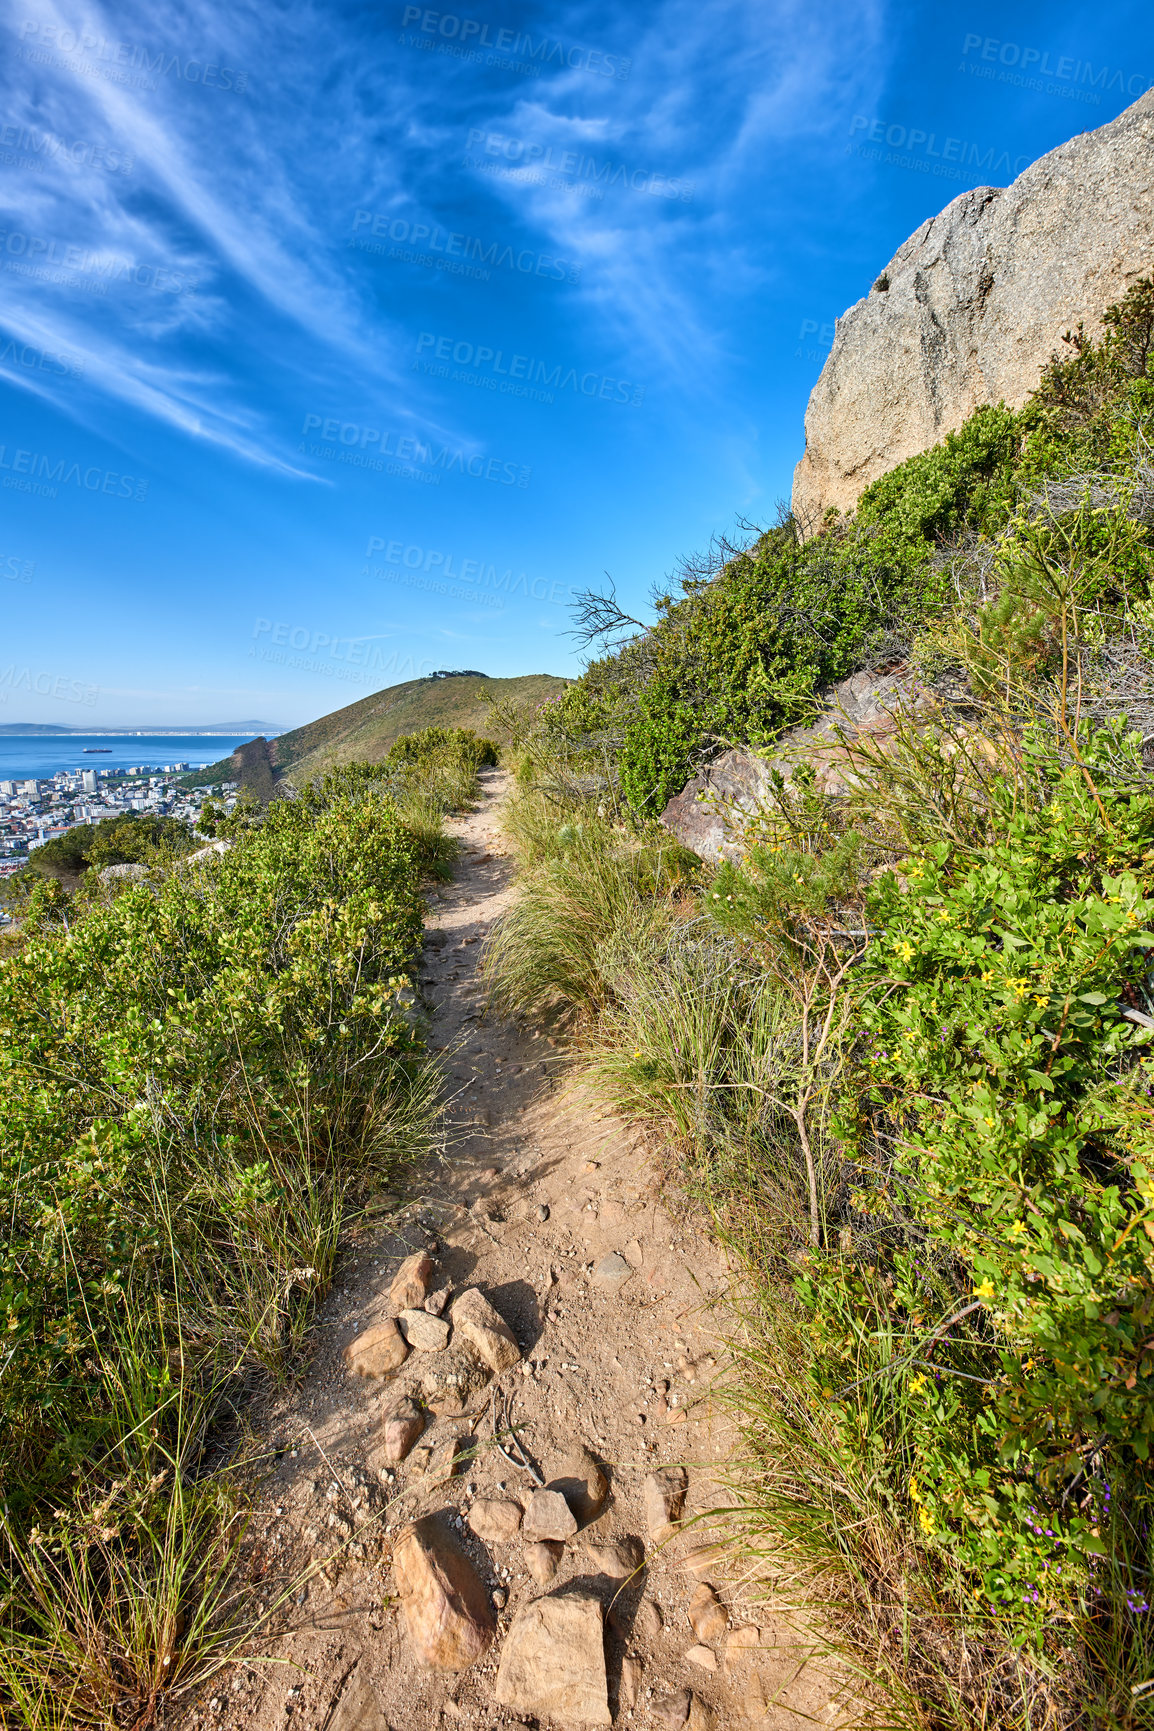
pixel 553 1662
pixel 448 1615
pixel 576 1387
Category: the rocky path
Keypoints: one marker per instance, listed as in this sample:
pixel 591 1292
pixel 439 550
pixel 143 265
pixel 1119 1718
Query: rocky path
pixel 520 1502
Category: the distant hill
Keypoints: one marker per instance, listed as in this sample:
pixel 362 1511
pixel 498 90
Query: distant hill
pixel 366 729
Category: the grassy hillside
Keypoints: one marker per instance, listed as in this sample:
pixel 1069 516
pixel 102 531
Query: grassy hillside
pixel 365 730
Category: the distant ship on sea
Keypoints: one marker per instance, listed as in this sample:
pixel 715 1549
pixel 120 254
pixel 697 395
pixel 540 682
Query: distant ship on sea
pixel 97 750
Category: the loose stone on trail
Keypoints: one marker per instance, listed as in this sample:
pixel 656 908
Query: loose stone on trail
pixel 412 1282
pixel 423 1332
pixel 402 1428
pixel 378 1352
pixel 481 1327
pixel 495 1520
pixel 553 1661
pixel 446 1610
pixel 549 1516
pixel 613 1272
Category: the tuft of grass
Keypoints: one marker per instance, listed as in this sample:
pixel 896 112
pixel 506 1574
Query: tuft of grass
pixel 130 1594
pixel 588 884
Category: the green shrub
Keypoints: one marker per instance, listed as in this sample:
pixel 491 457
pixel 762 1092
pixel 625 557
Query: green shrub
pixel 435 748
pixel 200 1078
pixel 132 838
pixel 1009 1086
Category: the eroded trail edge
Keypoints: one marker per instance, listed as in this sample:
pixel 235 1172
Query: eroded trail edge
pixel 614 1294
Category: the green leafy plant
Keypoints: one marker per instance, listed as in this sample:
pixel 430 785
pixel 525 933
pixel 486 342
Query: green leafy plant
pixel 202 1076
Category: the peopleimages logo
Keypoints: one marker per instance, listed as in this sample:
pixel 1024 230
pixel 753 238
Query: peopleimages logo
pixel 57 685
pixel 34 360
pixel 917 142
pixel 110 267
pixel 823 330
pixel 469 35
pixel 572 165
pixel 1028 67
pixel 348 441
pixel 15 569
pixel 316 651
pixel 39 148
pixel 459 254
pixel 515 375
pixel 434 563
pixel 97 57
pixel 33 472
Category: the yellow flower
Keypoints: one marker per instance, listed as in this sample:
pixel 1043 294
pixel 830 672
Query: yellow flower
pixel 916 1382
pixel 1041 1002
pixel 1017 1230
pixel 987 976
pixel 925 1521
pixel 915 1493
pixel 989 1123
pixel 905 950
pixel 985 1289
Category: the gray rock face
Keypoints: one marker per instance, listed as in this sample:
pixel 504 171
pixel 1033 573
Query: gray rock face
pixel 977 302
pixel 707 814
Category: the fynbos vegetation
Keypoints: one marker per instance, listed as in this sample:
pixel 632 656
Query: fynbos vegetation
pixel 902 1039
pixel 205 1072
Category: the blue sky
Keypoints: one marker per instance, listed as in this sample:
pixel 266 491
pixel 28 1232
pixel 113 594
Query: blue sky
pixel 342 343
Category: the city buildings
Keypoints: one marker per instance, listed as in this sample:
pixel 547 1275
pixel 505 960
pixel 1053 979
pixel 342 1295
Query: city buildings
pixel 35 811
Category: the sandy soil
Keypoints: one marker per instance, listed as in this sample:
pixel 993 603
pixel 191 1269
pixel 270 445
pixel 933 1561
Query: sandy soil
pixel 536 1185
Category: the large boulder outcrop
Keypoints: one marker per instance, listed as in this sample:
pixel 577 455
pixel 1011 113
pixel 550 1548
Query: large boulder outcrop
pixel 708 814
pixel 976 303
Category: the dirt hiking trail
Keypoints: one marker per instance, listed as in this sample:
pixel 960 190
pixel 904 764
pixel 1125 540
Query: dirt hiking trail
pixel 611 1288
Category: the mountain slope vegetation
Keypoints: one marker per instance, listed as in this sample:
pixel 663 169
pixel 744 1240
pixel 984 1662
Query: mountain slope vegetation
pixel 902 1040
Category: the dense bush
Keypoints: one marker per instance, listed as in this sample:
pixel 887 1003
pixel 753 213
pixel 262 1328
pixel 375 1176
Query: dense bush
pixel 999 1115
pixel 433 747
pixel 200 1076
pixel 132 838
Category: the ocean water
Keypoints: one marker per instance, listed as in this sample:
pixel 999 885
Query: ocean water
pixel 24 757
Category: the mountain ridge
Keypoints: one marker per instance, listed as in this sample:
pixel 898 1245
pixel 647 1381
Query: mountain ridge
pixel 365 730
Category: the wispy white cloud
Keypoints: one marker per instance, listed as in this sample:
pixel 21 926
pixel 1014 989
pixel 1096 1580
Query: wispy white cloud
pixel 248 196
